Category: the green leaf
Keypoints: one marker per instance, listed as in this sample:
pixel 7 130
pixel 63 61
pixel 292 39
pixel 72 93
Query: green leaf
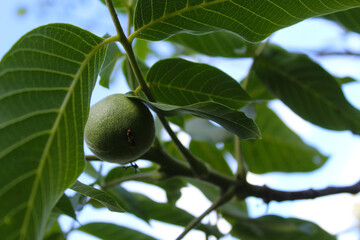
pixel 113 54
pixel 90 170
pixel 201 129
pixel 256 89
pixel 215 44
pixel 180 82
pixel 109 231
pixel 252 20
pixel 211 155
pixel 46 81
pixel 98 195
pixel 64 206
pixel 350 19
pixel 128 201
pixel 118 4
pixel 234 121
pixel 142 49
pixel 345 80
pixel 280 149
pixel 278 228
pixel 168 213
pixel 55 232
pixel 130 75
pixel 307 89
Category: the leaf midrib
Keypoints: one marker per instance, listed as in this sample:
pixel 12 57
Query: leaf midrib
pixel 30 205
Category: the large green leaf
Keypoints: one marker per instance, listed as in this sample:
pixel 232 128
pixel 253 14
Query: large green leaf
pixel 280 149
pixel 277 228
pixel 254 20
pixel 109 231
pixel 46 81
pixel 215 44
pixel 350 19
pixel 180 82
pixel 98 195
pixel 307 89
pixel 234 121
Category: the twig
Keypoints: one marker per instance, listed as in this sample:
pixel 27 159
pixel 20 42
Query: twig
pixel 219 202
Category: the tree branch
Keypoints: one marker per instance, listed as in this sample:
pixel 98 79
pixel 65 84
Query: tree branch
pixel 268 194
pixel 345 53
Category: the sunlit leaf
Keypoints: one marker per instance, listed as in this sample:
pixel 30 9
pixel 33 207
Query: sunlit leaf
pixel 97 195
pixel 253 20
pixel 307 89
pixel 180 82
pixel 46 80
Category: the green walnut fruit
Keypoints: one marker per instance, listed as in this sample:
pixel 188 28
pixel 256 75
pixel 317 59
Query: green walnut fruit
pixel 119 129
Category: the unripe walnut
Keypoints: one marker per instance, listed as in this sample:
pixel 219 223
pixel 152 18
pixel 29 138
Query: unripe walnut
pixel 119 129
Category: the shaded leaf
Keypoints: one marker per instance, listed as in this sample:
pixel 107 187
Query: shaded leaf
pixel 98 195
pixel 280 149
pixel 54 232
pixel 128 201
pixel 168 213
pixel 90 170
pixel 211 155
pixel 109 231
pixel 252 20
pixel 277 228
pixel 180 82
pixel 256 89
pixel 46 80
pixel 215 44
pixel 112 55
pixel 234 121
pixel 64 206
pixel 307 89
pixel 345 80
pixel 201 129
pixel 130 75
pixel 349 19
